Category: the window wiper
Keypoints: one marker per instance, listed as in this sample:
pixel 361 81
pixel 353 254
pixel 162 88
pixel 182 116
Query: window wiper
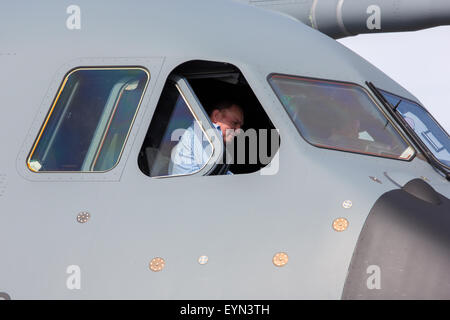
pixel 408 130
pixel 398 103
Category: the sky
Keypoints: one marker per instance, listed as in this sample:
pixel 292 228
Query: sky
pixel 419 61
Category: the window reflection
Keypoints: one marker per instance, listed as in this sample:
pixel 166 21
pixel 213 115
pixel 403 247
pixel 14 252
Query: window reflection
pixel 427 129
pixel 89 122
pixel 339 116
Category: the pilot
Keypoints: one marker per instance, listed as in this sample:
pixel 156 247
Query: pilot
pixel 194 149
pixel 345 131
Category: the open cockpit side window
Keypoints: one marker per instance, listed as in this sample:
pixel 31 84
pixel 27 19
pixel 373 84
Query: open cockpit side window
pixel 208 122
pixel 175 123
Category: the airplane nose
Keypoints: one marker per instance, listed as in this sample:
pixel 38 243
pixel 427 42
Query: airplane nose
pixel 406 237
pixel 422 190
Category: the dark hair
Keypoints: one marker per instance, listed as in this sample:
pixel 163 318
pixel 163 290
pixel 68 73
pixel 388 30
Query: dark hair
pixel 224 104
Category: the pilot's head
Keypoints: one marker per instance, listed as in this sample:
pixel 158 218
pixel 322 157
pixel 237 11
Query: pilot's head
pixel 346 122
pixel 229 117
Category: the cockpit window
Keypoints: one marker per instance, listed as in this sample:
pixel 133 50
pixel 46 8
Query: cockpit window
pixel 339 116
pixel 188 132
pixel 434 137
pixel 89 121
pixel 173 126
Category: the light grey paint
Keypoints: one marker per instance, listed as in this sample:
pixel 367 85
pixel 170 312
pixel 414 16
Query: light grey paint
pixel 238 221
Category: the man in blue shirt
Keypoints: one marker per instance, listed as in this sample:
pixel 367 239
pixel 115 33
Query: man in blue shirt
pixel 194 149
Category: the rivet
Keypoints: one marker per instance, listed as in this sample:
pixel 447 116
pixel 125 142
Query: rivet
pixel 347 204
pixel 83 217
pixel 203 260
pixel 280 259
pixel 157 264
pixel 340 224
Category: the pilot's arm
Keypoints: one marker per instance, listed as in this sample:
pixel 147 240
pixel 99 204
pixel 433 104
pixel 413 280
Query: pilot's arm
pixel 190 154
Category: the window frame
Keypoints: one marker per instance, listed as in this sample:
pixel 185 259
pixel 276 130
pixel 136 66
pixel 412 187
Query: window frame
pixel 347 83
pixel 201 117
pixel 427 112
pixel 55 101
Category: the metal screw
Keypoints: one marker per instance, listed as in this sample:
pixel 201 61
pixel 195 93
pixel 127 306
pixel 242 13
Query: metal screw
pixel 347 204
pixel 280 259
pixel 203 260
pixel 157 264
pixel 340 224
pixel 83 217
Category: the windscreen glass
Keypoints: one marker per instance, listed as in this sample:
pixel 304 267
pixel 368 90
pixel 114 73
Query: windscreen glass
pixel 339 116
pixel 426 128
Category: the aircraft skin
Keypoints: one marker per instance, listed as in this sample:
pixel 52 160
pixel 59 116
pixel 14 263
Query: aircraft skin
pixel 240 222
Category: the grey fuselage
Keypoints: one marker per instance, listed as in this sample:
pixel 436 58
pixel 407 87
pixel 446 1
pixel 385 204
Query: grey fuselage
pixel 240 222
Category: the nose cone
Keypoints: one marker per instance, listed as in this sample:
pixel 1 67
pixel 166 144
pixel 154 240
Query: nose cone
pixel 406 238
pixel 422 190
